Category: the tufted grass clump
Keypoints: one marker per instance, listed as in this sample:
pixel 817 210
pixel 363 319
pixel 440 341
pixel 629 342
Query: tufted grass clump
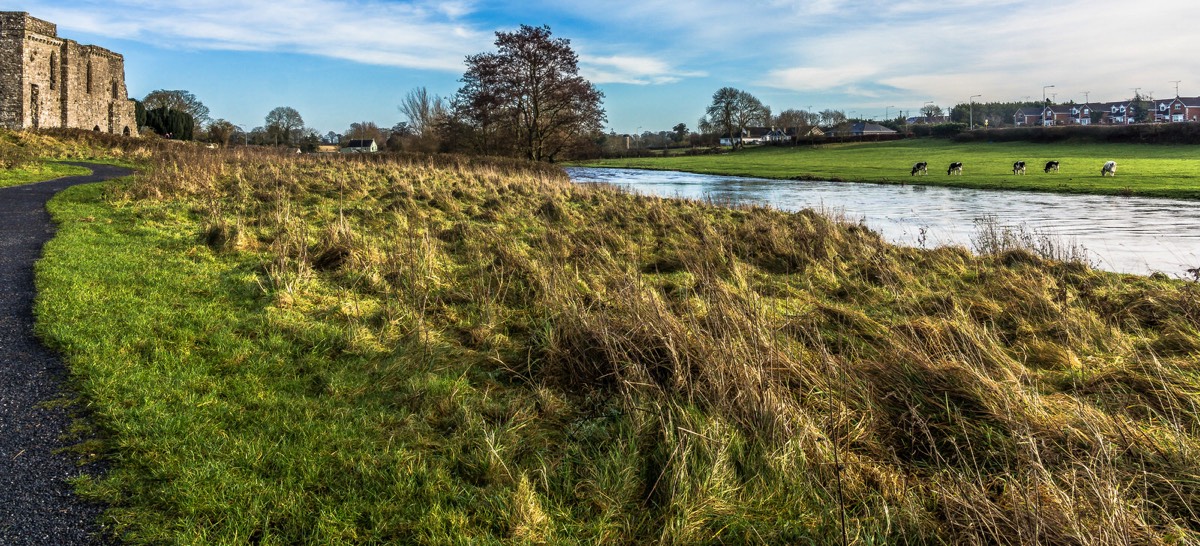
pixel 441 349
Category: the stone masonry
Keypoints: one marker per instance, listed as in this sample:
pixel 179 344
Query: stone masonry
pixel 47 81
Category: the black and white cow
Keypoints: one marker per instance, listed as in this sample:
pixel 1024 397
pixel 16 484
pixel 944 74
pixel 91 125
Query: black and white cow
pixel 1109 168
pixel 921 167
pixel 955 168
pixel 1051 166
pixel 1019 167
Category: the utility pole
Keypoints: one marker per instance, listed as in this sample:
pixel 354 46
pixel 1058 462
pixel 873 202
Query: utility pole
pixel 972 101
pixel 1045 105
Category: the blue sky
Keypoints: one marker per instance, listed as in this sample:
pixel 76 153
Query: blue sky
pixel 657 61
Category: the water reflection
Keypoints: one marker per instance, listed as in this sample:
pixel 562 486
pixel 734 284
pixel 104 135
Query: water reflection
pixel 1124 234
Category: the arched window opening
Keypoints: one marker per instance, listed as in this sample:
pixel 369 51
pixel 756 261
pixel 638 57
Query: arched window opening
pixel 96 128
pixel 126 131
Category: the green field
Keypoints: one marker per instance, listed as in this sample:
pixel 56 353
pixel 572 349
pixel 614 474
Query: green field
pixel 1148 170
pixel 450 350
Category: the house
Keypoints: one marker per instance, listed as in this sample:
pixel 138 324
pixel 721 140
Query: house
pixel 1120 113
pixel 1059 114
pixel 1178 109
pixel 1029 115
pixel 1081 114
pixel 749 135
pixel 861 128
pixel 777 135
pixel 356 146
pixel 809 132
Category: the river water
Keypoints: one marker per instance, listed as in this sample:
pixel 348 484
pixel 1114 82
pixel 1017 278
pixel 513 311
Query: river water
pixel 1123 234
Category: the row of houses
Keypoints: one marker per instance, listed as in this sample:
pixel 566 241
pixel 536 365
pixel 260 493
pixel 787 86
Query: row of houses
pixel 769 135
pixel 1175 110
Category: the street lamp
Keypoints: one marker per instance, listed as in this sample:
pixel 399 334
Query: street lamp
pixel 972 101
pixel 1044 105
pixel 885 112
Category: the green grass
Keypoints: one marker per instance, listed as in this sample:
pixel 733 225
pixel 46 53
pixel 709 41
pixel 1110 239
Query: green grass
pixel 1149 170
pixel 442 350
pixel 38 172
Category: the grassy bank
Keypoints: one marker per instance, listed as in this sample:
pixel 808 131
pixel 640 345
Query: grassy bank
pixel 1148 170
pixel 441 350
pixel 37 171
pixel 36 156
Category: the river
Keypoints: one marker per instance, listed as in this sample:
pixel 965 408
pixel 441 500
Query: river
pixel 1124 234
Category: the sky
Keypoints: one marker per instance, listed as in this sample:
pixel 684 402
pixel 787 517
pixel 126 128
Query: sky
pixel 658 62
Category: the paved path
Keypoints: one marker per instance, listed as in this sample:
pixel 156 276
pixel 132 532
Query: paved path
pixel 36 504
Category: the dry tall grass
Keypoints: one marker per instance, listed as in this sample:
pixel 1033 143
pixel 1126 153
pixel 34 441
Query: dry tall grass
pixel 775 377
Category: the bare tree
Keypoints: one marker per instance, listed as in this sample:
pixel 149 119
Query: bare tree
pixel 366 130
pixel 284 124
pixel 530 93
pixel 931 111
pixel 832 118
pixel 732 110
pixel 423 110
pixel 798 120
pixel 221 132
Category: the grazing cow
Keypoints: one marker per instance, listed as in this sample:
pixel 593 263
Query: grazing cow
pixel 1019 167
pixel 920 168
pixel 955 168
pixel 1051 166
pixel 1109 168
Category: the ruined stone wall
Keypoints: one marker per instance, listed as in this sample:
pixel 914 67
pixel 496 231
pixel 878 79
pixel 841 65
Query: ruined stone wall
pixel 47 81
pixel 12 83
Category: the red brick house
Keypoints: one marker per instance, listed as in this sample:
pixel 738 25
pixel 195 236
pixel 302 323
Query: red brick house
pixel 1178 109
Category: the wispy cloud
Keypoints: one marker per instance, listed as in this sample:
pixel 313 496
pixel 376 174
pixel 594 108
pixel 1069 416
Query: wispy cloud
pixel 845 53
pixel 933 50
pixel 631 70
pixel 424 35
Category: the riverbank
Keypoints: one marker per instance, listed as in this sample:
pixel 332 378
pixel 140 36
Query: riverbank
pixel 1171 171
pixel 440 350
pixel 1140 235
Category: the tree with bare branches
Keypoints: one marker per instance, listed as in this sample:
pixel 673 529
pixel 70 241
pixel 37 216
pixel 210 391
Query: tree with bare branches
pixel 528 98
pixel 732 110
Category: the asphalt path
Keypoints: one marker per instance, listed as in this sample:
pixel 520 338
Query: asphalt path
pixel 37 505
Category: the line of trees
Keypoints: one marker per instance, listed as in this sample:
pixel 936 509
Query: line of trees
pixel 526 99
pixel 733 111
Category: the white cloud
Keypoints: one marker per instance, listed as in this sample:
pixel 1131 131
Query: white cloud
pixel 631 70
pixel 1005 54
pixel 424 35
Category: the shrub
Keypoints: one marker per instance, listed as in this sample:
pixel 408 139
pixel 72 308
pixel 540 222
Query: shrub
pixel 1144 133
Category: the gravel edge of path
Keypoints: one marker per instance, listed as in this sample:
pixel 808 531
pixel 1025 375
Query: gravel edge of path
pixel 37 504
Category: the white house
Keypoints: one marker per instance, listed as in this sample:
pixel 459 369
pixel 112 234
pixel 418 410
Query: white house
pixel 367 146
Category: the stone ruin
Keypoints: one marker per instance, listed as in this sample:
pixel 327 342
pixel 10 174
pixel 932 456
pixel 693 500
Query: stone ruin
pixel 47 81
